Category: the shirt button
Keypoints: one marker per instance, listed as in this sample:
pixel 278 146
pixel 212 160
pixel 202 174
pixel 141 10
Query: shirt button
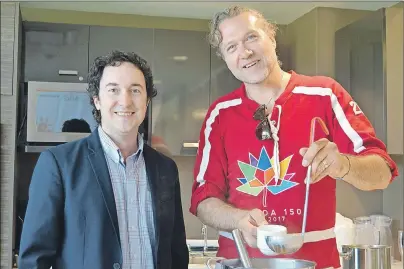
pixel 117 266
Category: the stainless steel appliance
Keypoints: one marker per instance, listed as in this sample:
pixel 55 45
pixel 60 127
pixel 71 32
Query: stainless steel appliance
pixel 366 257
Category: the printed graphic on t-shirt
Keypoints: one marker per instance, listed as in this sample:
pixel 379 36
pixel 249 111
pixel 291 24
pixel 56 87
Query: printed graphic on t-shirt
pixel 259 176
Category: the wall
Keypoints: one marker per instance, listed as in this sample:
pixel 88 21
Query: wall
pixel 193 226
pixel 313 52
pixel 393 197
pixel 10 34
pixel 393 201
pixel 394 77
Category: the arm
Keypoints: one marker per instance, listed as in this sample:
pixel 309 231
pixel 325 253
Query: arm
pixel 179 249
pixel 368 172
pixel 371 167
pixel 42 229
pixel 220 215
pixel 356 155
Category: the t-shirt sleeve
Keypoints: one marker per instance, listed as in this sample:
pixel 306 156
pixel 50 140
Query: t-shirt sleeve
pixel 352 131
pixel 210 165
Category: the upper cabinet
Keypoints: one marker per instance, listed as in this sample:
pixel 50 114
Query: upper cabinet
pixel 181 64
pixel 362 70
pixel 394 55
pixel 104 39
pixel 55 52
pixel 222 80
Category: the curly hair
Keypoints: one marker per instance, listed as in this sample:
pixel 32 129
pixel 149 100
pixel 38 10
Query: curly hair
pixel 215 37
pixel 115 58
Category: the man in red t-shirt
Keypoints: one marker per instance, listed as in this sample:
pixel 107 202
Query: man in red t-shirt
pixel 254 146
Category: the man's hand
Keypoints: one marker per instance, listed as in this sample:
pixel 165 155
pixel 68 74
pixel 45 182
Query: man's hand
pixel 326 160
pixel 248 226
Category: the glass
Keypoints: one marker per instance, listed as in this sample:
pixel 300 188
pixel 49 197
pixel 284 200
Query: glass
pixel 54 112
pixel 382 226
pixel 365 233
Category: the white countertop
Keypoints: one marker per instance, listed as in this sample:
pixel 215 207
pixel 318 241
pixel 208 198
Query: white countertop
pixel 397 265
pixel 200 243
pixel 199 266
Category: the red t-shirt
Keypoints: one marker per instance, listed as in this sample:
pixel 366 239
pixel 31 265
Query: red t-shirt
pixel 236 167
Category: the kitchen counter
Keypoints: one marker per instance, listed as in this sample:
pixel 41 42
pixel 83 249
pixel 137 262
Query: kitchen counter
pixel 201 266
pixel 397 265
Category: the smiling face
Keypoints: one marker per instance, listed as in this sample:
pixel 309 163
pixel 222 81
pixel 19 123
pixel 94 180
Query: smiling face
pixel 247 49
pixel 122 99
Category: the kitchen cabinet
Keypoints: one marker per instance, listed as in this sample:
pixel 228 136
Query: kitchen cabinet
pixel 394 60
pixel 55 52
pixel 360 68
pixel 222 80
pixel 181 64
pixel 105 39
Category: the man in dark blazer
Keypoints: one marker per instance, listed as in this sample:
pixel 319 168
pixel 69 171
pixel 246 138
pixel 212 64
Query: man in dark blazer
pixel 108 201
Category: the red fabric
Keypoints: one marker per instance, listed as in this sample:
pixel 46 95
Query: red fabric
pixel 229 155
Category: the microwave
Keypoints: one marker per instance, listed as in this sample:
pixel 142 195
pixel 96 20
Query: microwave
pixel 60 112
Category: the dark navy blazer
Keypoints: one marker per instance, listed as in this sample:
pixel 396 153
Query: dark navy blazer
pixel 71 220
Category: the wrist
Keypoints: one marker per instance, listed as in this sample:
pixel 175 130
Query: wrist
pixel 240 218
pixel 345 168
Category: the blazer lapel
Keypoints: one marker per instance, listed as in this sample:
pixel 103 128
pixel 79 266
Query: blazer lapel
pixel 100 168
pixel 153 177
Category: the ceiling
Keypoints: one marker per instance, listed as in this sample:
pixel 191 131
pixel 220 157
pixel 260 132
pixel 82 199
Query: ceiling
pixel 280 12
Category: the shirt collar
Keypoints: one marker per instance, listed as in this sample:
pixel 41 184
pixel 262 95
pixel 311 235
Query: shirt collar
pixel 112 150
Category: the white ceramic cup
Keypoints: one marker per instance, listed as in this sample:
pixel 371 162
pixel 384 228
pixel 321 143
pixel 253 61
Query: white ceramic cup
pixel 268 230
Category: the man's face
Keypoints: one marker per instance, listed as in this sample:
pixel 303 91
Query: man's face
pixel 247 49
pixel 122 99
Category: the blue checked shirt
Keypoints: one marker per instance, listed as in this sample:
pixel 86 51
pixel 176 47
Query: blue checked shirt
pixel 133 204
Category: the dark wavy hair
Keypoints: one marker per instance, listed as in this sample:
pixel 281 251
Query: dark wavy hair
pixel 115 58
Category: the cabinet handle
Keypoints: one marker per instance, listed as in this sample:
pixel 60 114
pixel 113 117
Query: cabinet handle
pixel 190 145
pixel 68 72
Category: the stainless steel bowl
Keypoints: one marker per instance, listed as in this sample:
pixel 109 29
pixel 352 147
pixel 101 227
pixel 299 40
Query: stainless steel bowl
pixel 261 263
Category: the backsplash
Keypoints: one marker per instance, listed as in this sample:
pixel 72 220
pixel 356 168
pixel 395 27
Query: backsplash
pixel 193 226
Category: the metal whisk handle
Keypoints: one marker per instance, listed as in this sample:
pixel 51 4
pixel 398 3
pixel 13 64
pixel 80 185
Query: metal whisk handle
pixel 242 251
